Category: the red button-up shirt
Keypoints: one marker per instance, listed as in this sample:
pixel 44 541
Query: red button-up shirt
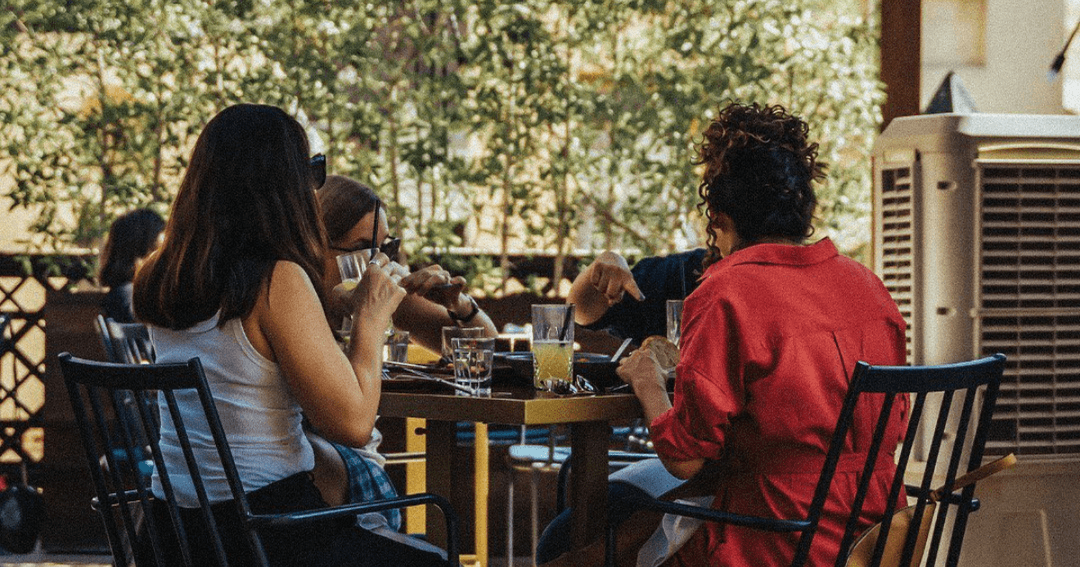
pixel 769 342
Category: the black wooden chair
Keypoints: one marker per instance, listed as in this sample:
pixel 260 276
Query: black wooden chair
pixel 127 343
pixel 124 499
pixel 956 400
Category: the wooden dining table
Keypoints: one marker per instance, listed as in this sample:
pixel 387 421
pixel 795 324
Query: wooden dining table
pixel 588 417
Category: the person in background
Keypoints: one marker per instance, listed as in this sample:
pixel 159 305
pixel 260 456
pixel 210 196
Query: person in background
pixel 631 303
pixel 132 237
pixel 238 283
pixel 770 339
pixel 435 299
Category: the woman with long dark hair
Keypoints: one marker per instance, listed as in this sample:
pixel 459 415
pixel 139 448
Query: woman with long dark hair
pixel 238 283
pixel 132 237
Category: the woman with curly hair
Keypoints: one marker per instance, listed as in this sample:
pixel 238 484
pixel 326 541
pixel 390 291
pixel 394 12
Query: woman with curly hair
pixel 770 338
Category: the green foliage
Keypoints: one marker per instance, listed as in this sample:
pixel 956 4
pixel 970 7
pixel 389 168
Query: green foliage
pixel 505 126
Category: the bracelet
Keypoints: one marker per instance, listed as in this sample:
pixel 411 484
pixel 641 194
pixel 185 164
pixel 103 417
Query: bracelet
pixel 472 312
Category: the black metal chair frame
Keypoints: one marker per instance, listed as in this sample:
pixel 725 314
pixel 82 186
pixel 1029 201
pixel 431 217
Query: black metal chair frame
pixel 125 342
pixel 964 378
pixel 97 389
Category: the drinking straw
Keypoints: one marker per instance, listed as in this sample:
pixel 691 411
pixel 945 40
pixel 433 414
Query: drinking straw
pixel 682 279
pixel 375 230
pixel 567 321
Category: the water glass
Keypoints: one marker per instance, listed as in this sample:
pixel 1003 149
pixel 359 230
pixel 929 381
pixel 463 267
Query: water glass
pixel 553 346
pixel 396 347
pixel 344 333
pixel 454 332
pixel 674 320
pixel 351 268
pixel 473 360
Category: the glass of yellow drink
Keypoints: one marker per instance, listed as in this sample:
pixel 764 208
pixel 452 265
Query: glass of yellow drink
pixel 351 267
pixel 553 346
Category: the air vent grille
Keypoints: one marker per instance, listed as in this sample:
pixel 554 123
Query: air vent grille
pixel 896 245
pixel 1030 298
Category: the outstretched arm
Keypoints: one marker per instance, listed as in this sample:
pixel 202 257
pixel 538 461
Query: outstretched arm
pixel 437 300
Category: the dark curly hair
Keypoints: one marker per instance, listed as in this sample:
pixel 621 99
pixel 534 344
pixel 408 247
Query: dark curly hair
pixel 759 170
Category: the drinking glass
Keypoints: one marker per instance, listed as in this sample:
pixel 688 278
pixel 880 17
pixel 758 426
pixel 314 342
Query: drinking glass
pixel 553 346
pixel 674 320
pixel 396 347
pixel 344 333
pixel 351 268
pixel 452 332
pixel 473 361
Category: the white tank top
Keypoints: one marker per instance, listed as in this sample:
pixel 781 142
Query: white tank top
pixel 260 417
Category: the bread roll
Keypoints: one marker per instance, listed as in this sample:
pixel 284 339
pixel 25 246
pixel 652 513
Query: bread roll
pixel 665 351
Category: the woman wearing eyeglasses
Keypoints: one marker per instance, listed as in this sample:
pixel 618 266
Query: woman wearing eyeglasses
pixel 353 214
pixel 435 299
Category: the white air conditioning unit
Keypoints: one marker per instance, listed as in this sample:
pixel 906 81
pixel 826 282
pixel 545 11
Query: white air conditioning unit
pixel 977 236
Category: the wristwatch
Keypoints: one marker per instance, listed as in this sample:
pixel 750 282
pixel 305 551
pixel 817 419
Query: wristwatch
pixel 472 312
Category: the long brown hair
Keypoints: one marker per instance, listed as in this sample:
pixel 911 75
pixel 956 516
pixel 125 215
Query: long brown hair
pixel 246 202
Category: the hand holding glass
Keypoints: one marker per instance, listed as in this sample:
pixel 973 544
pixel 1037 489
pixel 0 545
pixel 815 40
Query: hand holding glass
pixel 553 346
pixel 473 362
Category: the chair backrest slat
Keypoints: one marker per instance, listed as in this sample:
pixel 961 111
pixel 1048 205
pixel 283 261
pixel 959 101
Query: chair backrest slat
pixel 196 475
pixel 147 414
pixel 91 447
pixel 227 461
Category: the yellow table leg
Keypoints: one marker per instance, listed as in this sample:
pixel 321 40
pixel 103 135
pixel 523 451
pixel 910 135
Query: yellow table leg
pixel 415 479
pixel 480 462
pixel 415 475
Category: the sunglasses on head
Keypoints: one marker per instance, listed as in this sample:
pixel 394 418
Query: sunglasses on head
pixel 391 246
pixel 318 170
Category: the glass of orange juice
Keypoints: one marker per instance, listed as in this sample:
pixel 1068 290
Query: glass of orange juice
pixel 553 346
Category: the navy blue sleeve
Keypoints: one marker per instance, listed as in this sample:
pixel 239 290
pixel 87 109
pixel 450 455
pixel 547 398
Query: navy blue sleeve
pixel 660 278
pixel 117 304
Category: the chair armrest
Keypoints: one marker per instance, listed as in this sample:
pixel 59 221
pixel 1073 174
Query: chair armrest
pixel 353 509
pixel 711 515
pixel 346 510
